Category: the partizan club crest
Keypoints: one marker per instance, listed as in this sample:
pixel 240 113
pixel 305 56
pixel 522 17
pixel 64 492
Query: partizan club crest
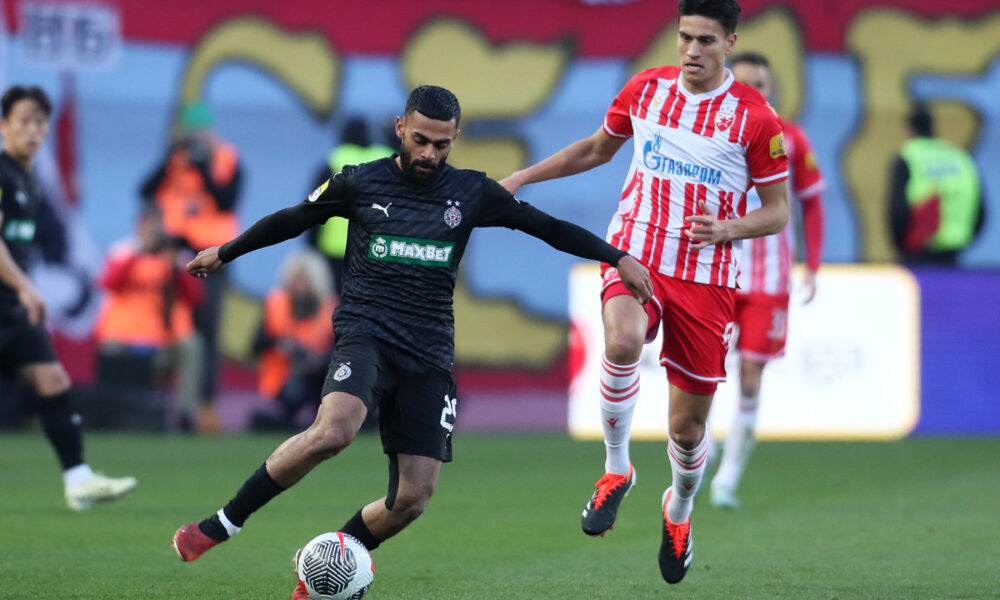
pixel 343 372
pixel 452 216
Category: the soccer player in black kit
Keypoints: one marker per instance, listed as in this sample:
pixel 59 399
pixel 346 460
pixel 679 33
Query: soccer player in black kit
pixel 25 349
pixel 410 219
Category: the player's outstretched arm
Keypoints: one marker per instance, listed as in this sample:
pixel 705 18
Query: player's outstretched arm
pixel 575 240
pixel 581 155
pixel 272 229
pixel 706 228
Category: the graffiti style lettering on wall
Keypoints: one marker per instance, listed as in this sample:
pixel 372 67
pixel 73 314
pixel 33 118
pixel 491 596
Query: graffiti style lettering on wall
pixel 528 86
pixel 505 82
pixel 304 62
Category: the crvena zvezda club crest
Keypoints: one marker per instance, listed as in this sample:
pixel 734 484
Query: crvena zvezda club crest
pixel 452 216
pixel 724 118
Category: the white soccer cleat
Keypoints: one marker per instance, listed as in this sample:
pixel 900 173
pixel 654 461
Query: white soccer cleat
pixel 98 488
pixel 724 498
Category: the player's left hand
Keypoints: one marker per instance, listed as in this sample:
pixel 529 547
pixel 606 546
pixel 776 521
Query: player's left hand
pixel 808 287
pixel 636 278
pixel 706 230
pixel 206 262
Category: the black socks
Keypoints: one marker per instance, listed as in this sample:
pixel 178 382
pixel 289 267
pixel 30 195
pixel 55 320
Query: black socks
pixel 257 491
pixel 357 528
pixel 62 427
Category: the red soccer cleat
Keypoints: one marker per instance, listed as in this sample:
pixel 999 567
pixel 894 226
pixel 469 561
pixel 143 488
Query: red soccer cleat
pixel 675 547
pixel 300 592
pixel 601 511
pixel 190 542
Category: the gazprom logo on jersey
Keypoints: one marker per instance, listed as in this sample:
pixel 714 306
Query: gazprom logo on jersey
pixel 429 253
pixel 655 161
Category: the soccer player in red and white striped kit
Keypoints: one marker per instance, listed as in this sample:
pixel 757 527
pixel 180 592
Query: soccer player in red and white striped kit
pixel 700 141
pixel 764 285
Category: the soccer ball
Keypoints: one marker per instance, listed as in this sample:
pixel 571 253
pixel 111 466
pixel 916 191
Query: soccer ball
pixel 335 566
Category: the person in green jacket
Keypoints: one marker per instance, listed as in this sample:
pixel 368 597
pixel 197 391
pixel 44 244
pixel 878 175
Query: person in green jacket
pixel 936 203
pixel 355 147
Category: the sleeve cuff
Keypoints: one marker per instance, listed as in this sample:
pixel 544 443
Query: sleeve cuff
pixel 613 133
pixel 771 178
pixel 224 253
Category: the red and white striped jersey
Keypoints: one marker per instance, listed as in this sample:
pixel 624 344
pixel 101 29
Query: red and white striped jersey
pixel 688 148
pixel 766 265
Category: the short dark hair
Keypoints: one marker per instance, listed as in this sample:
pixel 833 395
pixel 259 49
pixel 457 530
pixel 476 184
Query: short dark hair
pixel 726 12
pixel 434 103
pixel 751 58
pixel 921 120
pixel 15 94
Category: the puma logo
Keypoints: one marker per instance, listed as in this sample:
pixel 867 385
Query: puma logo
pixel 384 209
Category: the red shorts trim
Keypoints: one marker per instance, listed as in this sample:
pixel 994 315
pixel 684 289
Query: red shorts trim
pixel 763 326
pixel 697 321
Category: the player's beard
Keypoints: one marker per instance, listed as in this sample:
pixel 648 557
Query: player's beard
pixel 407 164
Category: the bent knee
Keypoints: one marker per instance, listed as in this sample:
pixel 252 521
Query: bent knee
pixel 49 380
pixel 750 386
pixel 328 441
pixel 622 348
pixel 686 433
pixel 413 504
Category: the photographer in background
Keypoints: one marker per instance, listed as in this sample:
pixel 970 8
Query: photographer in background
pixel 295 340
pixel 149 309
pixel 196 189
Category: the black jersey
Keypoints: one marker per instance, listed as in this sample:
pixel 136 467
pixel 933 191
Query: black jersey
pixel 404 244
pixel 21 199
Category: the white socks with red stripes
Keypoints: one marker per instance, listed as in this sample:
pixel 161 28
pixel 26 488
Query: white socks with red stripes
pixel 619 390
pixel 688 467
pixel 739 443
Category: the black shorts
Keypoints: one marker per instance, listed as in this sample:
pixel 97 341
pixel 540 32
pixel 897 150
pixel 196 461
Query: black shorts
pixel 22 343
pixel 416 401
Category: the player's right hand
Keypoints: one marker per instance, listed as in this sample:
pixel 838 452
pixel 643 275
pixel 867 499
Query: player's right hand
pixel 33 303
pixel 206 262
pixel 636 278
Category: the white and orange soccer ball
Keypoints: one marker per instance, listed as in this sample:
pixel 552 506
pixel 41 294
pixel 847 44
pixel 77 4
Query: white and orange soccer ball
pixel 335 566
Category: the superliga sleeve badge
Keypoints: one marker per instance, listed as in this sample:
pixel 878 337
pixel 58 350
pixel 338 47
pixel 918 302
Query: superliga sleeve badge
pixel 778 146
pixel 316 193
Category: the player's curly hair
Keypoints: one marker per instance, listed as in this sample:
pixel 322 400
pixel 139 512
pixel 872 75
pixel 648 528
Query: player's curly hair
pixel 726 12
pixel 434 102
pixel 16 93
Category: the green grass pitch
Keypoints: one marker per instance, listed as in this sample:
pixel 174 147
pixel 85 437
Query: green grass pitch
pixel 911 519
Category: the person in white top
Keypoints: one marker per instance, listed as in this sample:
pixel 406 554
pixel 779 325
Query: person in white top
pixel 700 141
